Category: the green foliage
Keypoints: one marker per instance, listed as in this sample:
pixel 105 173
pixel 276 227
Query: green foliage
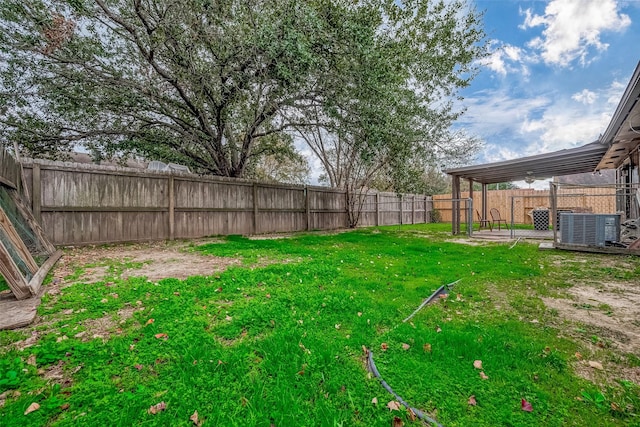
pixel 209 84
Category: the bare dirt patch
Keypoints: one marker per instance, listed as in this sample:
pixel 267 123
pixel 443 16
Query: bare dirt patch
pixel 468 242
pixel 611 308
pixel 152 260
pixel 610 374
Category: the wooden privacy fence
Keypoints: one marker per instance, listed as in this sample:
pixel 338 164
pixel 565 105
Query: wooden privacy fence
pixel 89 204
pixel 581 199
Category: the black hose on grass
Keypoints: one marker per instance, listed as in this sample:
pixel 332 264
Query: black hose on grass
pixel 372 368
pixel 428 300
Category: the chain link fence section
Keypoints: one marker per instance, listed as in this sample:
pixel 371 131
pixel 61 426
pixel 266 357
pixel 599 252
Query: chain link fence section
pixel 443 212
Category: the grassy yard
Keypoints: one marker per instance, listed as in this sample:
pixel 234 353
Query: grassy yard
pixel 277 339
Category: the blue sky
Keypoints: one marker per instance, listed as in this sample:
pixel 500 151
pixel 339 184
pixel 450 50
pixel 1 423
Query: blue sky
pixel 557 71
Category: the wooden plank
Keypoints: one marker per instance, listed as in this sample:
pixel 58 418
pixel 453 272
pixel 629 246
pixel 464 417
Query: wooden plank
pixel 17 314
pixel 79 209
pixel 255 208
pixel 413 209
pixel 36 199
pixel 16 241
pixel 172 208
pixel 35 284
pixel 12 275
pixel 307 209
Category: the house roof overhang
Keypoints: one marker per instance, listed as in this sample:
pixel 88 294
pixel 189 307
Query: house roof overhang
pixel 623 133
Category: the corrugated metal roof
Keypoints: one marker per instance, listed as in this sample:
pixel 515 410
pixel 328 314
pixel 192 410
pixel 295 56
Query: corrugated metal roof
pixel 564 162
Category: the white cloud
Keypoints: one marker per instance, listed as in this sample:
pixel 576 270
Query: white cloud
pixel 513 127
pixel 573 28
pixel 585 96
pixel 506 59
pixel 566 125
pixel 495 112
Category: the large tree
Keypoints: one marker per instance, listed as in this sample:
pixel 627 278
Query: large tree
pixel 201 82
pixel 208 83
pixel 388 110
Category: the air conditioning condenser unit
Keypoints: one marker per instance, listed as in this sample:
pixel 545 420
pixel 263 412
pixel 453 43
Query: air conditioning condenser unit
pixel 589 229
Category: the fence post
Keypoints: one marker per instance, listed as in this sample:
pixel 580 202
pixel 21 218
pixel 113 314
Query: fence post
pixel 470 217
pixel 401 210
pixel 512 234
pixel 553 195
pixel 413 209
pixel 307 208
pixel 425 209
pixel 36 186
pixel 172 208
pixel 377 209
pixel 255 208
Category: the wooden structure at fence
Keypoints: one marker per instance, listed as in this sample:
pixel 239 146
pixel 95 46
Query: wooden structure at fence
pixel 80 204
pixel 26 255
pixel 523 201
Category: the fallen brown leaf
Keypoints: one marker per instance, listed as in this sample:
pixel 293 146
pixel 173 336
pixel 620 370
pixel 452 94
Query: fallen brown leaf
pixel 161 336
pixel 427 347
pixel 374 401
pixel 384 346
pixel 32 360
pixel 64 406
pixel 472 400
pixel 596 365
pixel 483 376
pixel 412 415
pixel 438 330
pixel 405 347
pixel 578 356
pixel 138 367
pixel 33 407
pixel 194 419
pixel 393 405
pixel 477 364
pixel 158 407
pixel 397 422
pixel 359 314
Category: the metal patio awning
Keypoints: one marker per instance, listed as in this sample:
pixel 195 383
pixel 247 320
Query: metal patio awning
pixel 563 162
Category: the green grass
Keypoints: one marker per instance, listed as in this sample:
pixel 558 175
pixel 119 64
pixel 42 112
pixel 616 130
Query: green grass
pixel 279 339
